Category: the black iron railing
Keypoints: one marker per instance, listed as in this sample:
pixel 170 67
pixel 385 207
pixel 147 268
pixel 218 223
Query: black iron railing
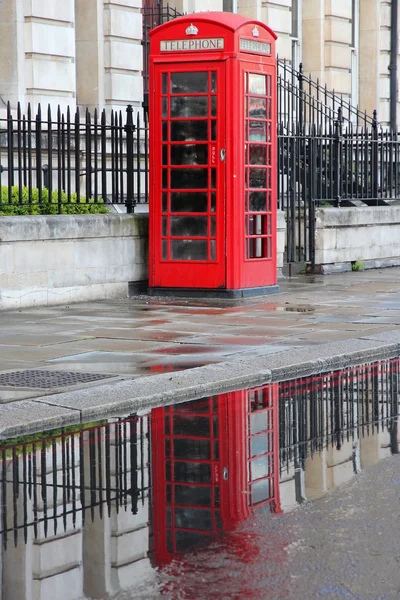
pixel 152 17
pixel 52 483
pixel 65 162
pixel 325 411
pixel 304 101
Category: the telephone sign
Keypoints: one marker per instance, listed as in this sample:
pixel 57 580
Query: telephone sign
pixel 213 181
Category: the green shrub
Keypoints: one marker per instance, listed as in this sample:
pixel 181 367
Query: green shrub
pixel 48 206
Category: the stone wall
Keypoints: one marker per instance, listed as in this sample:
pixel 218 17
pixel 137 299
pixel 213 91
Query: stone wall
pixel 70 258
pixel 346 235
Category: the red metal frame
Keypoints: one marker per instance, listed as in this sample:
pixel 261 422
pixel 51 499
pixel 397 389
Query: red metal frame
pixel 213 461
pixel 243 225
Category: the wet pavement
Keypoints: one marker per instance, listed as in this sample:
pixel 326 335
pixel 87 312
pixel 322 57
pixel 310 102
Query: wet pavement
pixel 132 338
pixel 279 491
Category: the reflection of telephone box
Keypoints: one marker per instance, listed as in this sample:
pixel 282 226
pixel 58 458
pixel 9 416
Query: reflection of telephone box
pixel 213 178
pixel 212 461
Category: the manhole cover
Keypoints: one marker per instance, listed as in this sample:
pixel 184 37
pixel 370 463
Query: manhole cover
pixel 47 379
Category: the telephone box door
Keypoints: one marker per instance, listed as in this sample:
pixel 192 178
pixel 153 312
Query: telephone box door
pixel 189 176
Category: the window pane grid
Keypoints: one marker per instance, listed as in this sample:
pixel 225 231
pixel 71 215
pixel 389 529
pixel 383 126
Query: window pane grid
pixel 193 519
pixel 258 166
pixel 189 133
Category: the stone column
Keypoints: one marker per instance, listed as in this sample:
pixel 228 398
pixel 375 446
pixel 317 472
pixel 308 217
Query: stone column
pixel 314 39
pixel 89 43
pixel 338 39
pixel 50 52
pixel 12 77
pixel 369 55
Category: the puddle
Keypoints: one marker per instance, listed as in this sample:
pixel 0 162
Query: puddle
pixel 202 499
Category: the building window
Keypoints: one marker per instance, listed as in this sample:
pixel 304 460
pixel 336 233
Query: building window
pixel 230 6
pixel 295 18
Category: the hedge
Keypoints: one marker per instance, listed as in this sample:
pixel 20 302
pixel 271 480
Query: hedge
pixel 47 206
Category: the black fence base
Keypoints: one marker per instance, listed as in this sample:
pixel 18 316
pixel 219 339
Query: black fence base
pixel 213 293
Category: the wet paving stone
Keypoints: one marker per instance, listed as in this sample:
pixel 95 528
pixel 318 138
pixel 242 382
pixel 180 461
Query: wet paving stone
pixel 283 490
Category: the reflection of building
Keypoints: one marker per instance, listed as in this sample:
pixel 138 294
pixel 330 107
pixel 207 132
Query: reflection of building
pixel 213 461
pixel 74 513
pixel 78 507
pixel 335 424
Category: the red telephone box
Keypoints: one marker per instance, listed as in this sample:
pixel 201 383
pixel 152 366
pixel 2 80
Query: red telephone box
pixel 213 179
pixel 212 462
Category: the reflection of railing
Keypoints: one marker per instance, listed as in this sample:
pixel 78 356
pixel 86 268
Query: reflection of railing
pixel 327 410
pixel 54 482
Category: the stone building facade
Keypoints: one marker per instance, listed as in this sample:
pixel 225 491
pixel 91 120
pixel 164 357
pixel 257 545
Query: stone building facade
pixel 89 52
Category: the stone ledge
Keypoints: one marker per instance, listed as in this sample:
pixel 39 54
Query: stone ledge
pixel 61 227
pixel 128 396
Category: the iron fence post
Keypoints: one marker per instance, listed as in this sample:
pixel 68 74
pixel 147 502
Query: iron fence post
pixel 129 129
pixel 375 157
pixel 301 108
pixel 338 158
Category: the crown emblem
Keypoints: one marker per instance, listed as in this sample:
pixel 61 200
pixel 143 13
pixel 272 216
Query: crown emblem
pixel 256 33
pixel 192 30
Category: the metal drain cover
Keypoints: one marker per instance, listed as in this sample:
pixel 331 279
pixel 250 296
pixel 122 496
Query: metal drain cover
pixel 47 379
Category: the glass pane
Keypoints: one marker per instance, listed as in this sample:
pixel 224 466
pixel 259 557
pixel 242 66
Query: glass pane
pixel 192 495
pixel 165 155
pixel 257 131
pixel 260 467
pixel 260 491
pixel 164 226
pixel 259 422
pixel 213 227
pixel 216 450
pixel 213 81
pixel 189 82
pixel 189 131
pixel 189 202
pixel 168 494
pixel 212 250
pixel 258 201
pixel 164 201
pixel 257 108
pixel 189 178
pixel 167 448
pixel 193 518
pixel 257 154
pixel 189 226
pixel 259 443
pixel 169 517
pixel 165 132
pixel 216 496
pixel 215 427
pixel 192 449
pixel 213 183
pixel 198 406
pixel 189 250
pixel 189 106
pixel 191 425
pixel 188 472
pixel 165 178
pixel 165 83
pixel 213 201
pixel 165 107
pixel 185 540
pixel 213 106
pixel 257 84
pixel 189 154
pixel 213 130
pixel 258 178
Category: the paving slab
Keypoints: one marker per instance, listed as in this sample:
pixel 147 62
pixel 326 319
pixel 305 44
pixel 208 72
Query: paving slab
pixel 166 349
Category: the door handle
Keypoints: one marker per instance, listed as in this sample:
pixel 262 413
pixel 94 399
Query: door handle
pixel 222 154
